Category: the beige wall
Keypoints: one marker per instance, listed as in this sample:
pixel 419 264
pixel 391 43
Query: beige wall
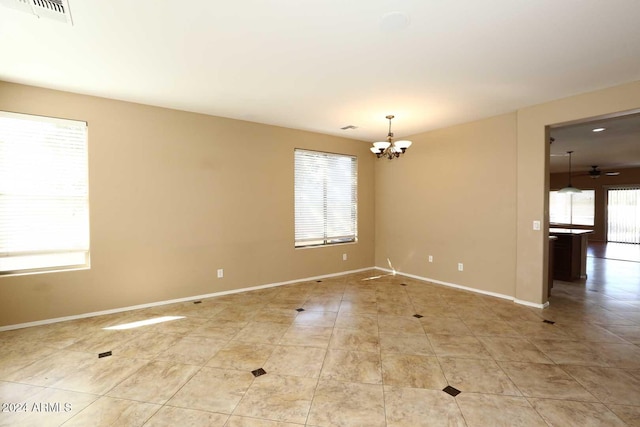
pixel 630 176
pixel 175 196
pixel 452 196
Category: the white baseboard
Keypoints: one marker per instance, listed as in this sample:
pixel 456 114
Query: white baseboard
pixel 531 304
pixel 466 288
pixel 172 301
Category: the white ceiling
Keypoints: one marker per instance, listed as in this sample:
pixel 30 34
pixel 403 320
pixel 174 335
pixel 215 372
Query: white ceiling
pixel 321 65
pixel 615 148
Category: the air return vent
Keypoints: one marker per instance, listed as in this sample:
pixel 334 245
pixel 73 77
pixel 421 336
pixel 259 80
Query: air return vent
pixel 56 10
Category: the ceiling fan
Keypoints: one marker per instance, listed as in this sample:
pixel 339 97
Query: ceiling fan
pixel 595 173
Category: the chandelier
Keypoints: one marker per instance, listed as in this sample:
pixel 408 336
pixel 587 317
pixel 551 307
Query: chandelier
pixel 389 148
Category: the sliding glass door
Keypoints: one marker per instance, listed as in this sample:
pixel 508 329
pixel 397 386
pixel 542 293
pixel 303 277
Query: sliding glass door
pixel 623 215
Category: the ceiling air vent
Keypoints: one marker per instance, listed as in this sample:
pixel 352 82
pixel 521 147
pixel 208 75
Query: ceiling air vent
pixel 56 10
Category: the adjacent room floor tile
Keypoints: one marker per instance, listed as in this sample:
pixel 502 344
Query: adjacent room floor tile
pixel 155 382
pixel 411 407
pixel 343 404
pixel 235 421
pixel 362 322
pixel 480 327
pixel 17 355
pixel 406 344
pixel 273 315
pixel 241 356
pixel 477 376
pixel 406 370
pixel 305 335
pixel 541 330
pixel 458 346
pixel 628 414
pixel 39 406
pixel 399 325
pixel 109 411
pixel 266 333
pixel 325 319
pixel 544 380
pixel 358 307
pixel 444 325
pixel 51 368
pixel 482 410
pixel 192 350
pixel 278 398
pixel 511 349
pixel 571 352
pixel 98 376
pixel 216 329
pixel 568 413
pixel 591 332
pixel 352 366
pixel 609 385
pixel 356 340
pixel 146 345
pixel 295 361
pixel 169 416
pixel 198 393
pixel 617 355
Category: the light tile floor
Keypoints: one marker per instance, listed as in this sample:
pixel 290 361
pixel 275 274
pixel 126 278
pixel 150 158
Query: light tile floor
pixel 356 356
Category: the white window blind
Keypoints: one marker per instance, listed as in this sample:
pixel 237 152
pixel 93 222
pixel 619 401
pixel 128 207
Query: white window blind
pixel 623 215
pixel 44 201
pixel 326 201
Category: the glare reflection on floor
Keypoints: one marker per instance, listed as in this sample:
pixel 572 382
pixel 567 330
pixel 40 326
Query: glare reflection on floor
pixel 143 323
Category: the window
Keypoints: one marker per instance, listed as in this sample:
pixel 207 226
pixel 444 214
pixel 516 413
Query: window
pixel 44 202
pixel 572 208
pixel 325 198
pixel 623 215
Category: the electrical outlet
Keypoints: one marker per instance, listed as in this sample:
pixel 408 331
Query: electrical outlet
pixel 460 266
pixel 536 225
pixel 430 258
pixel 344 257
pixel 220 273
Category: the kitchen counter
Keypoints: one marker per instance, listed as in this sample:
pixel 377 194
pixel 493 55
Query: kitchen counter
pixel 576 231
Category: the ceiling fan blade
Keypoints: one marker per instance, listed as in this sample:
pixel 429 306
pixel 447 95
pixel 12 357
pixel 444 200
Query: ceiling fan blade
pixel 612 173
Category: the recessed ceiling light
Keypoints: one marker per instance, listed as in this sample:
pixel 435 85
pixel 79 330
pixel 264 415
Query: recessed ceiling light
pixel 599 129
pixel 394 21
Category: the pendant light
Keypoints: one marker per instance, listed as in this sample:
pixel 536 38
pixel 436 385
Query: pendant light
pixel 389 148
pixel 569 189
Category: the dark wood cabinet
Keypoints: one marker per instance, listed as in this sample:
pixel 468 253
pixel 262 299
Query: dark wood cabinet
pixel 551 274
pixel 570 255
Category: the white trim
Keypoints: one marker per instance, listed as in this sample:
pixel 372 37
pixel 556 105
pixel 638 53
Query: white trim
pixel 45 119
pixel 172 301
pixel 531 304
pixel 466 288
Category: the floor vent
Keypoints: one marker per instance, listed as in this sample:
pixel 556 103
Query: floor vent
pixel 56 10
pixel 451 391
